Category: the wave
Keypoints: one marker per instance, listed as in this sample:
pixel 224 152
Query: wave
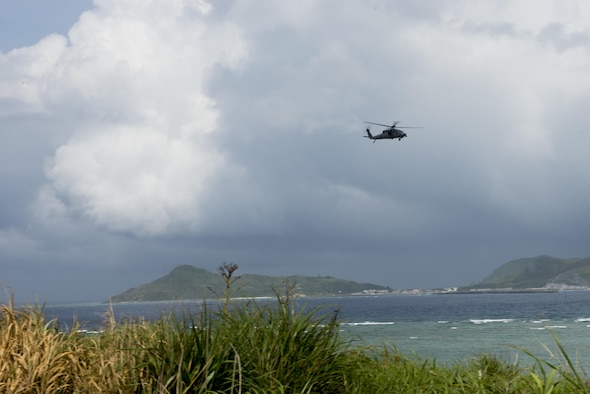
pixel 369 323
pixel 548 328
pixel 89 332
pixel 484 321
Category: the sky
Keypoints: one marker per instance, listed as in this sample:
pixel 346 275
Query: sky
pixel 136 136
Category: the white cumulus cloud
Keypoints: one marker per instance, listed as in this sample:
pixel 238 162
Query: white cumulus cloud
pixel 133 179
pixel 125 96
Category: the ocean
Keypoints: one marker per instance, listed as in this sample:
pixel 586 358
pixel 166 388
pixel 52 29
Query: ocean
pixel 447 328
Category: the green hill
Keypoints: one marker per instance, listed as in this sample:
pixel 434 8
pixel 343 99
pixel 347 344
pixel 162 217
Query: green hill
pixel 538 272
pixel 186 282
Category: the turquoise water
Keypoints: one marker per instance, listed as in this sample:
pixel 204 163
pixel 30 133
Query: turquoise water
pixel 458 341
pixel 447 328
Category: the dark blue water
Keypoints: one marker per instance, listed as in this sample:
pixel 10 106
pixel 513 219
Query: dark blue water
pixel 448 328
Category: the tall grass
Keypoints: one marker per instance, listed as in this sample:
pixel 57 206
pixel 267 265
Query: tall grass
pixel 547 372
pixel 244 348
pixel 34 356
pixel 284 350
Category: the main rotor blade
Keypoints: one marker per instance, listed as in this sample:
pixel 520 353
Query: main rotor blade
pixel 378 124
pixel 395 125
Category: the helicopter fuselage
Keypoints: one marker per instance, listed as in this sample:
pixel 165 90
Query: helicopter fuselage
pixel 391 133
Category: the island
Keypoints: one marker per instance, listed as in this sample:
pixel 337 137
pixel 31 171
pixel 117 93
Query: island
pixel 186 282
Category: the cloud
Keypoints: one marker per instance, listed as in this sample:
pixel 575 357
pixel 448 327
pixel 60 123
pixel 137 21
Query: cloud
pixel 12 240
pixel 130 78
pixel 133 179
pixel 232 130
pixel 490 159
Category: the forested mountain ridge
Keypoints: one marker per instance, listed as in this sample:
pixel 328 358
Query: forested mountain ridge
pixel 539 272
pixel 186 282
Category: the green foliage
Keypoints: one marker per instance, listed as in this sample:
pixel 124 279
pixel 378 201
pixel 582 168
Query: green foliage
pixel 391 372
pixel 287 350
pixel 544 375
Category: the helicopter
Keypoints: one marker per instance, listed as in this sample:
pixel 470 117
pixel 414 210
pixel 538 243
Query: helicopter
pixel 390 132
